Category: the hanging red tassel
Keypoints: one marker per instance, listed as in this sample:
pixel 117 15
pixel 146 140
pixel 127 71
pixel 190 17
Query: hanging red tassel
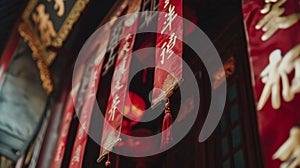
pixel 108 163
pixel 166 136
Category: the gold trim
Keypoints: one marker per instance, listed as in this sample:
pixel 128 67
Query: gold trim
pixel 168 90
pixel 50 58
pixel 67 25
pixel 29 8
pixel 69 22
pixel 28 34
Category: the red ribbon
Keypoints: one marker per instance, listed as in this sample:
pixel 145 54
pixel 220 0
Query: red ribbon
pixel 87 108
pixel 285 117
pixel 66 122
pixel 168 59
pixel 116 102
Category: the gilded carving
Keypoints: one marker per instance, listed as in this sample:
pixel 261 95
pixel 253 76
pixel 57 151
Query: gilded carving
pixel 44 24
pixel 48 36
pixel 68 24
pixel 169 85
pixel 27 33
pixel 59 5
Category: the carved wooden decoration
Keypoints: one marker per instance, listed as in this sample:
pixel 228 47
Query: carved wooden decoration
pixel 40 30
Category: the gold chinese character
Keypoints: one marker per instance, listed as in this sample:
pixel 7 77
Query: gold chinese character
pixel 278 70
pixel 148 5
pixel 170 16
pixel 166 3
pixel 125 48
pixel 112 110
pixel 45 25
pixel 119 74
pixel 289 151
pixel 59 5
pixel 273 20
pixel 76 157
pixel 82 130
pixel 113 43
pixel 59 151
pixel 167 48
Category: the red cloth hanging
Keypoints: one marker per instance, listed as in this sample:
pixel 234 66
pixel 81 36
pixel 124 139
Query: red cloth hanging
pixel 166 136
pixel 274 124
pixel 116 102
pixel 168 58
pixel 96 61
pixel 66 122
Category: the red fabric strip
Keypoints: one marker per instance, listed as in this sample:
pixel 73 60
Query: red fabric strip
pixel 273 109
pixel 66 121
pixel 116 102
pixel 87 108
pixel 168 59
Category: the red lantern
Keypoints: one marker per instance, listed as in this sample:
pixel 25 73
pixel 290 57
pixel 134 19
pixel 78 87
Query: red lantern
pixel 134 109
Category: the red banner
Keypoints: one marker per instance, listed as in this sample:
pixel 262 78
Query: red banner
pixel 87 108
pixel 273 30
pixel 116 102
pixel 168 60
pixel 66 121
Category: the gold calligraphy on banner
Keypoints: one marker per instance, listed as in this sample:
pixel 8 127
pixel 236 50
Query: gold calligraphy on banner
pixel 274 19
pixel 146 16
pixel 278 70
pixel 289 152
pixel 280 66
